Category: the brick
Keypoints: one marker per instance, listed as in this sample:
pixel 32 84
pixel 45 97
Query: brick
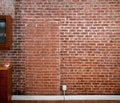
pixel 72 42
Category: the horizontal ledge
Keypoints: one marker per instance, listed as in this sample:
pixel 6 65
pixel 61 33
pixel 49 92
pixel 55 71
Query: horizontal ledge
pixel 66 97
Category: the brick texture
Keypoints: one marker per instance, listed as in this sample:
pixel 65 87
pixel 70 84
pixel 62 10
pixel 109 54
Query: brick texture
pixel 72 42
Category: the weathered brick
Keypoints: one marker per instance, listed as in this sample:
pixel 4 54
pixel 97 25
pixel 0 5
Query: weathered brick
pixel 72 42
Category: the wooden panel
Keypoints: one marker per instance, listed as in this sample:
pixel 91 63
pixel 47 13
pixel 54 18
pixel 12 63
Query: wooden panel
pixel 5 86
pixel 67 101
pixel 3 73
pixel 3 82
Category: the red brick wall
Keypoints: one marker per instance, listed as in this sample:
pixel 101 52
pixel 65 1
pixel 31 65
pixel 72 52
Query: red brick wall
pixel 72 42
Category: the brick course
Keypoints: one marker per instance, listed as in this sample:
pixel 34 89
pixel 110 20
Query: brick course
pixel 72 42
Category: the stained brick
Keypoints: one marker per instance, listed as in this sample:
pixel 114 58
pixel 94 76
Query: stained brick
pixel 72 42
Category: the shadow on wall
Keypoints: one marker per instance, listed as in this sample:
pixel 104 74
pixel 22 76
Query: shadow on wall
pixel 18 92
